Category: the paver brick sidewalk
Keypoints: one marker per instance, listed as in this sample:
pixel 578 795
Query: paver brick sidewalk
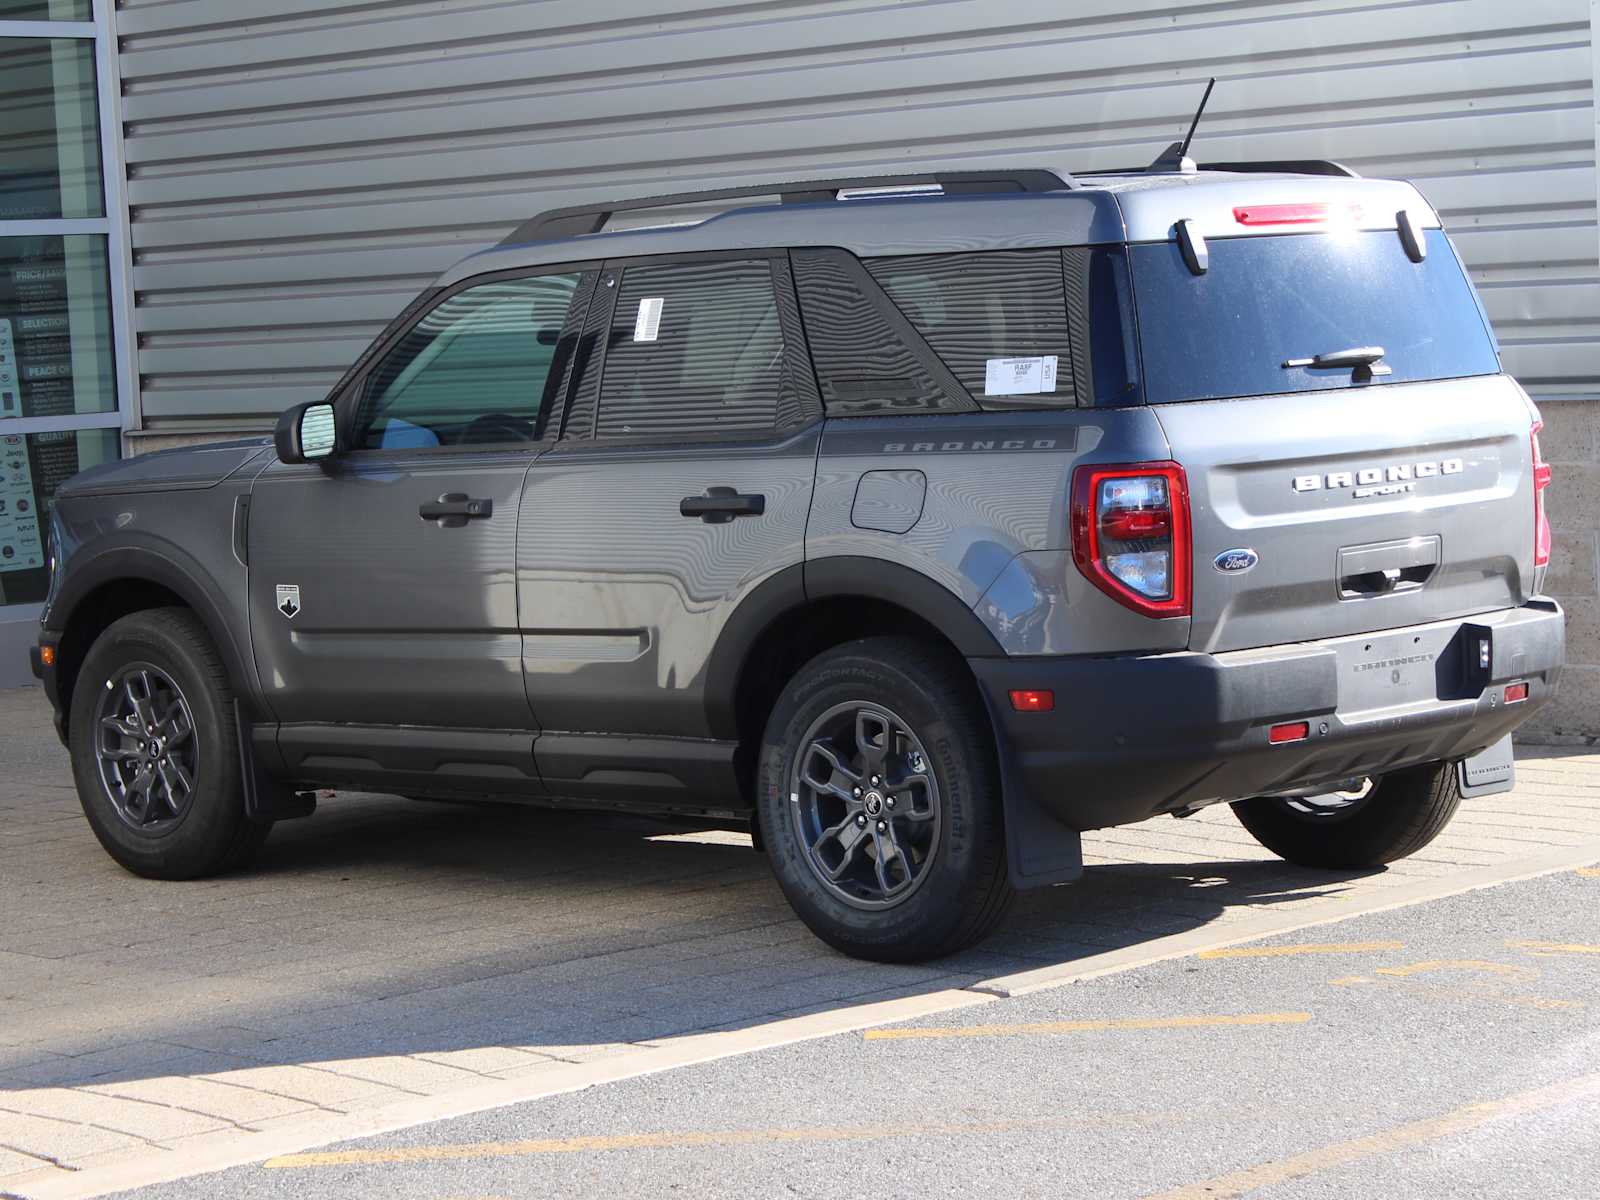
pixel 387 949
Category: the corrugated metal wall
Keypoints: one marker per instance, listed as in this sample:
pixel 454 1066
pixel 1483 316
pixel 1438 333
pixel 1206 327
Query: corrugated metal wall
pixel 298 168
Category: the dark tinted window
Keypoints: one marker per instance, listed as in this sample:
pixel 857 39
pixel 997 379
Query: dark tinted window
pixel 696 349
pixel 1266 300
pixel 990 317
pixel 867 356
pixel 472 371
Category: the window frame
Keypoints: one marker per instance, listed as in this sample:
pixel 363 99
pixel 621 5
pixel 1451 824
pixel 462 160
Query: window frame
pixel 583 404
pixel 347 394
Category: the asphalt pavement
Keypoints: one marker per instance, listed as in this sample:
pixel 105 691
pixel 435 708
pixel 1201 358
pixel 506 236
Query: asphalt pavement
pixel 1449 1048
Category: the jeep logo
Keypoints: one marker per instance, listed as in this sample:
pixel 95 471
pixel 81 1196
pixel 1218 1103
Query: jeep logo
pixel 1374 481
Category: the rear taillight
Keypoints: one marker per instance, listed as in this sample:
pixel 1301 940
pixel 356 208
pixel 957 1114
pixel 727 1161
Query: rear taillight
pixel 1541 519
pixel 1130 534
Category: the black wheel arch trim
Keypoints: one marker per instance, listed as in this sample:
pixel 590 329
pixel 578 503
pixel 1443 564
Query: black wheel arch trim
pixel 141 557
pixel 791 589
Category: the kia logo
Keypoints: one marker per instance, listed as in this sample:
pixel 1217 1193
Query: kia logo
pixel 1232 562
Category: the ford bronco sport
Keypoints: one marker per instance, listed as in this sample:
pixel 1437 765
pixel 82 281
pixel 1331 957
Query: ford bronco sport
pixel 917 524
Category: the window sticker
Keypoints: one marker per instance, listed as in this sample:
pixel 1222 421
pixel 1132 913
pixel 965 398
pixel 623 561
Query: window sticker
pixel 1019 376
pixel 648 323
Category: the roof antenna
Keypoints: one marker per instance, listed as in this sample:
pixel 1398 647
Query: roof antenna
pixel 1176 156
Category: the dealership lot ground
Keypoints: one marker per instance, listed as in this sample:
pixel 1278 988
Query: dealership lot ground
pixel 389 963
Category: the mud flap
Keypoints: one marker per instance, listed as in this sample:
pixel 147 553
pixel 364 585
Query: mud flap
pixel 1040 850
pixel 266 799
pixel 1489 771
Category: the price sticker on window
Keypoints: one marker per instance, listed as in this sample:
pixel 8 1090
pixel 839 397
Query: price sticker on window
pixel 1019 376
pixel 648 322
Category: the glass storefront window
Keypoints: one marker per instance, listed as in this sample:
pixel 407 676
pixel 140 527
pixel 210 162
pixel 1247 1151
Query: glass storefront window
pixel 46 10
pixel 49 130
pixel 32 467
pixel 55 327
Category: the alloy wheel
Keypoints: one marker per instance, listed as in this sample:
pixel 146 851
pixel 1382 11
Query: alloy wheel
pixel 148 751
pixel 866 805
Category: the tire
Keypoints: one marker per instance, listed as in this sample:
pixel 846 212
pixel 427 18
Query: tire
pixel 160 665
pixel 1400 814
pixel 918 882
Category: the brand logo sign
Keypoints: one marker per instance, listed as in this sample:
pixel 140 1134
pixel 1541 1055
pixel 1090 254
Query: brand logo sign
pixel 1236 561
pixel 1380 481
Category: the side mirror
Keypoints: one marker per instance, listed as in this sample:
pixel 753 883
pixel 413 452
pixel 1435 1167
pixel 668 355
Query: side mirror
pixel 306 433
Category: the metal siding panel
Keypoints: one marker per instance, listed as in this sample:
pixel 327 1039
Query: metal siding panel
pixel 298 168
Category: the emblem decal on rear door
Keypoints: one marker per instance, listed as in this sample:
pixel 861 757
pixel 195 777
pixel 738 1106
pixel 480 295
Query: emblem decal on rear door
pixel 1236 561
pixel 289 599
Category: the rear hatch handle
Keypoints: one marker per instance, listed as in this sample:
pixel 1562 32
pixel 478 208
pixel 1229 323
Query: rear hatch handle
pixel 1384 568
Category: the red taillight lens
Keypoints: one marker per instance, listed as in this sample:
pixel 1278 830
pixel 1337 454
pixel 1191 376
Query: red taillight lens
pixel 1542 538
pixel 1130 534
pixel 1033 701
pixel 1294 214
pixel 1289 731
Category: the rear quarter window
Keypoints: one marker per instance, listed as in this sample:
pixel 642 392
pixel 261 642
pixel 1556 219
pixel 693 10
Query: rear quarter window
pixel 1266 300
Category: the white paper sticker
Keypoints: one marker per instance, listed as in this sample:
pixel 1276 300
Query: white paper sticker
pixel 648 323
pixel 1019 376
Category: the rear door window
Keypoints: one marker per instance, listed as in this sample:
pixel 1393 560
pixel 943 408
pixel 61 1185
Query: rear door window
pixel 1268 300
pixel 696 349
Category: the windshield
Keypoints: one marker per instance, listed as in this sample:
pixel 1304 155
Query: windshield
pixel 1267 300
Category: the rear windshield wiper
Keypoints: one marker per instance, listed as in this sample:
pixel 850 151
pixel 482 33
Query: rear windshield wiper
pixel 1366 360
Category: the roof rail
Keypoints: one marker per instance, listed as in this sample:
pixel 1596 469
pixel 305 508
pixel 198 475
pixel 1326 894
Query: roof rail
pixel 591 218
pixel 1287 166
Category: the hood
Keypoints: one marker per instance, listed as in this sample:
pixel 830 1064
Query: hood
pixel 187 467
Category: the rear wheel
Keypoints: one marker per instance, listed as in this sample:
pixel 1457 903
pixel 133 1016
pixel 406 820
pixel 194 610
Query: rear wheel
pixel 1391 817
pixel 880 802
pixel 155 751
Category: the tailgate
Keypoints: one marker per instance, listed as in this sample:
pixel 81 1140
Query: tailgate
pixel 1363 508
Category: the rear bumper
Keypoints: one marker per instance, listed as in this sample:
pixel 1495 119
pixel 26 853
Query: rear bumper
pixel 1136 736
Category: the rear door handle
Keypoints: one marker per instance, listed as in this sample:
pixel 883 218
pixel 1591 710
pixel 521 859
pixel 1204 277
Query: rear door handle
pixel 455 509
pixel 722 504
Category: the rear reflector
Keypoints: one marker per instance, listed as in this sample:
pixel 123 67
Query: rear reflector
pixel 1295 214
pixel 1025 701
pixel 1290 731
pixel 1516 693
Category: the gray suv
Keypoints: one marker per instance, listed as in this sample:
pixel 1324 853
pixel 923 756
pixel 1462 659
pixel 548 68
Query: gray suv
pixel 916 524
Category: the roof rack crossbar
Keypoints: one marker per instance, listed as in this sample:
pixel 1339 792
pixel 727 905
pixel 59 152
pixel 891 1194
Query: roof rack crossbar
pixel 591 218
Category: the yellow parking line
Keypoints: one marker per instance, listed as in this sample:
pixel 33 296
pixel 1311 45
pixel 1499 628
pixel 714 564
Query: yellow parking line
pixel 1238 1183
pixel 1591 872
pixel 694 1139
pixel 1198 1022
pixel 1549 948
pixel 1457 964
pixel 1308 948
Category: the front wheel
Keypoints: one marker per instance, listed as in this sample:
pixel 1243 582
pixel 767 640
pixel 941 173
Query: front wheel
pixel 155 750
pixel 1391 817
pixel 880 805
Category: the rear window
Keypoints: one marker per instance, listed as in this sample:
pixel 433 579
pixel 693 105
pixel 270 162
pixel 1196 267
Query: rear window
pixel 1266 300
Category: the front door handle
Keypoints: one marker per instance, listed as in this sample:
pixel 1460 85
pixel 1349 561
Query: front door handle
pixel 722 504
pixel 455 509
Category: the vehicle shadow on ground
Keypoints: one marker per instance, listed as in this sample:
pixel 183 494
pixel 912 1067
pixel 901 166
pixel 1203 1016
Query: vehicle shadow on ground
pixel 389 927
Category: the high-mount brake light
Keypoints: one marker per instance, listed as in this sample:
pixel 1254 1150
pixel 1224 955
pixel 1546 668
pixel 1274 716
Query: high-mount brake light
pixel 1541 519
pixel 1130 534
pixel 1294 214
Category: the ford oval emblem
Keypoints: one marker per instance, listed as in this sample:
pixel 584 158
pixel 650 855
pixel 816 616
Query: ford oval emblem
pixel 1232 562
